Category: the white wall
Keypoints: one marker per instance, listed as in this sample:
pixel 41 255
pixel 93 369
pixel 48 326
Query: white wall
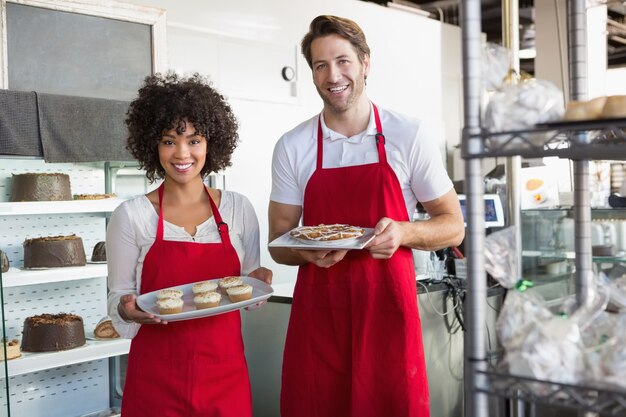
pixel 406 73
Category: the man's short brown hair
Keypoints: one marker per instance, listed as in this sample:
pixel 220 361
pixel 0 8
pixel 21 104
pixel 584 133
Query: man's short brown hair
pixel 332 25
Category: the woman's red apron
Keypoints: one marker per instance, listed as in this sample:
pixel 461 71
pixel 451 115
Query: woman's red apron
pixel 354 343
pixel 193 367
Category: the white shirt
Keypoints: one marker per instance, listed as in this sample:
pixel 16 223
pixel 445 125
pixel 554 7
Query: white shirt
pixel 132 231
pixel 412 152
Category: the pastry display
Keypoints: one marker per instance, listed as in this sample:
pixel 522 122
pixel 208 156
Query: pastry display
pixel 598 108
pixel 4 261
pixel 99 253
pixel 327 232
pixel 105 330
pixel 93 196
pixel 169 293
pixel 239 293
pixel 207 299
pixel 52 332
pixel 40 187
pixel 54 252
pixel 13 350
pixel 228 282
pixel 204 286
pixel 170 305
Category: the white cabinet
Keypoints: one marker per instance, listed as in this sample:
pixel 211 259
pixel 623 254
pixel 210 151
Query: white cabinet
pixel 68 383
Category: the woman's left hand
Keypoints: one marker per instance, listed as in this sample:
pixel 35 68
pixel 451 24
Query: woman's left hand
pixel 262 274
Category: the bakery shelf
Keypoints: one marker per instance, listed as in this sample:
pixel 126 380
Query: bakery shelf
pixel 25 208
pixel 607 401
pixel 606 140
pixel 17 277
pixel 93 350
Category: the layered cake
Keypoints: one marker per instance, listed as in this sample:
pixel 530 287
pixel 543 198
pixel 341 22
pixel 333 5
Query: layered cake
pixel 40 187
pixel 93 196
pixel 99 253
pixel 4 261
pixel 54 252
pixel 13 350
pixel 52 332
pixel 105 330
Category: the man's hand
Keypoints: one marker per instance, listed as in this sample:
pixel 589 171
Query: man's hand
pixel 389 236
pixel 262 274
pixel 321 258
pixel 130 311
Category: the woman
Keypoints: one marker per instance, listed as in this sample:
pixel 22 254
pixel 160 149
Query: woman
pixel 180 129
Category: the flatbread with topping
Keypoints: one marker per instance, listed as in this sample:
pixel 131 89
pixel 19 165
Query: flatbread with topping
pixel 327 232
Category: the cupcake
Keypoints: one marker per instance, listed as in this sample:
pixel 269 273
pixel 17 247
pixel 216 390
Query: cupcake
pixel 228 282
pixel 207 300
pixel 204 286
pixel 170 305
pixel 239 292
pixel 169 293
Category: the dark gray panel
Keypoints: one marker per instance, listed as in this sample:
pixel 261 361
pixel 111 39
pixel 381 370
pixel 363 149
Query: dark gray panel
pixel 73 54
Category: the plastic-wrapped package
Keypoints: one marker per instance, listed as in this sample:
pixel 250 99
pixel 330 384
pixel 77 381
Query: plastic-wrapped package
pixel 537 343
pixel 495 65
pixel 613 358
pixel 523 105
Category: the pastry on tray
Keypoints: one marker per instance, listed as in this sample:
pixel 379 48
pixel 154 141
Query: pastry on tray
pixel 327 232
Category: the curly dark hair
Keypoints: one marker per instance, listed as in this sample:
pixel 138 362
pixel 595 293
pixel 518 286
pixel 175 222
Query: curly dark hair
pixel 163 102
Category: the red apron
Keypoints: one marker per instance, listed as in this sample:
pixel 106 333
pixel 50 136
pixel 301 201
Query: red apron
pixel 192 367
pixel 354 343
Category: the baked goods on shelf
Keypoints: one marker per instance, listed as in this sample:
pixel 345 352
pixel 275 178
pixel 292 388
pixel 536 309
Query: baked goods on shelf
pixel 207 299
pixel 54 252
pixel 327 232
pixel 228 282
pixel 13 350
pixel 4 262
pixel 105 330
pixel 239 293
pixel 598 108
pixel 615 107
pixel 93 196
pixel 203 287
pixel 52 332
pixel 99 253
pixel 170 305
pixel 40 187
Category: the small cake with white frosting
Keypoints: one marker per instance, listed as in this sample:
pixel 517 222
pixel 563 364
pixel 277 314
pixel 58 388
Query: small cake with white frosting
pixel 170 305
pixel 204 286
pixel 169 293
pixel 239 293
pixel 207 300
pixel 227 282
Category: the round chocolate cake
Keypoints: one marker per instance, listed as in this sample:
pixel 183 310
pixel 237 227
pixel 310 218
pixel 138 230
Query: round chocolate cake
pixel 40 187
pixel 54 252
pixel 52 332
pixel 99 252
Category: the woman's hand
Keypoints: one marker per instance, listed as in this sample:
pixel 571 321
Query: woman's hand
pixel 130 311
pixel 262 274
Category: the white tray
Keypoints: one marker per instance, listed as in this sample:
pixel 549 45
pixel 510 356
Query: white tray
pixel 286 241
pixel 260 292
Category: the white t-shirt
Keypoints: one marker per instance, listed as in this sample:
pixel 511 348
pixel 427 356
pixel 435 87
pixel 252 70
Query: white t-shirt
pixel 412 152
pixel 132 231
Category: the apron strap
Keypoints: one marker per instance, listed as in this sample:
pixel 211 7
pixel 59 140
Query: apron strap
pixel 380 139
pixel 222 227
pixel 159 234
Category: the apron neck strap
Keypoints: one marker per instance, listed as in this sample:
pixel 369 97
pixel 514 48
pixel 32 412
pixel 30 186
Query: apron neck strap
pixel 222 227
pixel 380 139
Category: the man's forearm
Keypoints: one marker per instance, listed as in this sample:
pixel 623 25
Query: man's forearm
pixel 436 233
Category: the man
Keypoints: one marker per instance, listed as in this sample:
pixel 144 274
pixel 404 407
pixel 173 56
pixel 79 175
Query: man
pixel 354 344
